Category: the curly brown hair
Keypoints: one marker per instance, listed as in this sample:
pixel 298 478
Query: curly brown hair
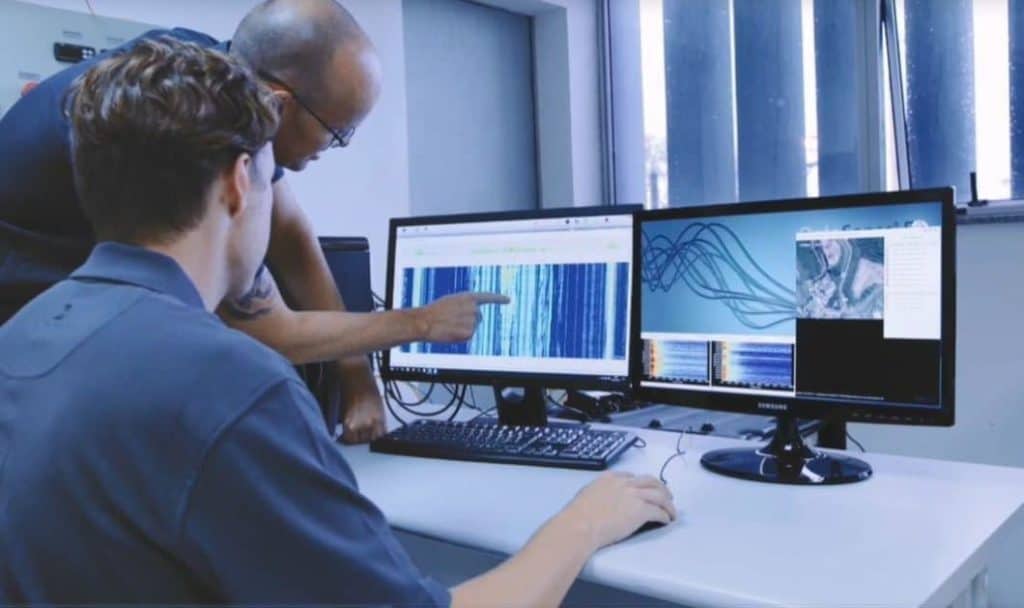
pixel 153 127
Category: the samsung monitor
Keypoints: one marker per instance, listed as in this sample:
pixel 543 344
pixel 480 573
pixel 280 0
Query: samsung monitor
pixel 826 308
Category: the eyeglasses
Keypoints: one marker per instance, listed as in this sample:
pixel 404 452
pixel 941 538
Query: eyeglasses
pixel 339 139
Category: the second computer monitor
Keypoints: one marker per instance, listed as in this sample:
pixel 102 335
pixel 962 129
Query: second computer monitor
pixel 567 273
pixel 817 307
pixel 839 307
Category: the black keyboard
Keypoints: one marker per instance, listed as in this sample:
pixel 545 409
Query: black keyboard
pixel 565 446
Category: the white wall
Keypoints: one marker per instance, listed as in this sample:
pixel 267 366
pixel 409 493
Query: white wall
pixel 989 381
pixel 568 66
pixel 469 90
pixel 349 192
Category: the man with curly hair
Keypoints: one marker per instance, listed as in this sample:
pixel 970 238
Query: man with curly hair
pixel 150 455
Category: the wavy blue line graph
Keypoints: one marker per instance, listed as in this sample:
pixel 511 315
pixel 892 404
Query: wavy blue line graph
pixel 712 261
pixel 573 311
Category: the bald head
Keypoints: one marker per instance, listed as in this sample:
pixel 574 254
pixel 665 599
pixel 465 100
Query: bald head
pixel 326 60
pixel 299 41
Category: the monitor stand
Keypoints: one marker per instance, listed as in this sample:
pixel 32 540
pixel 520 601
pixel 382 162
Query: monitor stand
pixel 786 459
pixel 520 406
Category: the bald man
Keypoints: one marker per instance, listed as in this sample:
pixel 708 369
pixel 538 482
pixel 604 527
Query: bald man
pixel 325 73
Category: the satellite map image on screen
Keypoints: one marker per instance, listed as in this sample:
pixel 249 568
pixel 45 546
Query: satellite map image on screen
pixel 841 278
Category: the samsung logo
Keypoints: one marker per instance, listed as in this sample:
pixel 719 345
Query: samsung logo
pixel 778 407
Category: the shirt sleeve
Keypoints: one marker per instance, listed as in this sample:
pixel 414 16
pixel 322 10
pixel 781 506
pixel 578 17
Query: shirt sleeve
pixel 275 517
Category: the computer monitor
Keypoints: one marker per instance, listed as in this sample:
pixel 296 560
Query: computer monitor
pixel 348 258
pixel 568 275
pixel 829 308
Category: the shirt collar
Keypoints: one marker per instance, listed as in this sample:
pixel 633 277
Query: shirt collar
pixel 120 263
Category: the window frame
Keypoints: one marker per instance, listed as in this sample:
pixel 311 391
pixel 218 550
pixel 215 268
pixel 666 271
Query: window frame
pixel 622 107
pixel 983 211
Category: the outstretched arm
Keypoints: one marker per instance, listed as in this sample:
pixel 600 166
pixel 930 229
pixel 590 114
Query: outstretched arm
pixel 309 336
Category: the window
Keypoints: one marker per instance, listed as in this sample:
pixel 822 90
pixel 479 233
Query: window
pixel 964 110
pixel 743 101
pixel 759 99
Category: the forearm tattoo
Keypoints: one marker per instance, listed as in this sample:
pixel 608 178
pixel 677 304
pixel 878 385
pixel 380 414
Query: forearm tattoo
pixel 256 302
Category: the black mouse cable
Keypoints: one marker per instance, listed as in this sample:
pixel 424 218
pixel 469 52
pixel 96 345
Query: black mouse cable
pixel 855 442
pixel 679 452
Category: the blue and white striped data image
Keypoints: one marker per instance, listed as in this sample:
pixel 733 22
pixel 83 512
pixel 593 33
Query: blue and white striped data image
pixel 754 365
pixel 575 311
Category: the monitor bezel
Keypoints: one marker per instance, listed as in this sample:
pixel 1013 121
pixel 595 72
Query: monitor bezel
pixel 494 377
pixel 803 407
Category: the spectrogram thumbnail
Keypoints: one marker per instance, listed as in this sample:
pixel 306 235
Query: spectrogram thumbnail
pixel 753 365
pixel 576 311
pixel 677 361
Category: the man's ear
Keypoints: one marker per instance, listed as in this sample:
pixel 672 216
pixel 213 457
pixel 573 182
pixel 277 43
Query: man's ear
pixel 284 100
pixel 238 184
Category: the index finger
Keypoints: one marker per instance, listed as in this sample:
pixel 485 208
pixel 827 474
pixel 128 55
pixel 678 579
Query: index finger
pixel 491 298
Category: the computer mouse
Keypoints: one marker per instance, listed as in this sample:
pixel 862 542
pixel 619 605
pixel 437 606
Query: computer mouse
pixel 654 424
pixel 647 527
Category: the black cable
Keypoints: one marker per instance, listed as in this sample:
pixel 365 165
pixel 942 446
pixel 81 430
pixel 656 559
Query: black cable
pixel 586 416
pixel 462 401
pixel 482 414
pixel 396 395
pixel 392 387
pixel 391 409
pixel 452 388
pixel 640 443
pixel 855 442
pixel 422 400
pixel 468 394
pixel 679 452
pixel 392 398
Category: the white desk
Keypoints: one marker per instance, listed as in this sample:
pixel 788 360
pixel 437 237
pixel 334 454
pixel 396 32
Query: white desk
pixel 918 533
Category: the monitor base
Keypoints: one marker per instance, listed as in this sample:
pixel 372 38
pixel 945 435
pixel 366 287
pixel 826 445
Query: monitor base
pixel 787 460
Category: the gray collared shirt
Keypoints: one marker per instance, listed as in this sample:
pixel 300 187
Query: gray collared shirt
pixel 149 454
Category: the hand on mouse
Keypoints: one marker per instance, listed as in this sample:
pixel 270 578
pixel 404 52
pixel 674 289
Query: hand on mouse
pixel 616 504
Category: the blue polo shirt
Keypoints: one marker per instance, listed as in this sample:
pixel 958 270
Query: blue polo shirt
pixel 44 234
pixel 151 455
